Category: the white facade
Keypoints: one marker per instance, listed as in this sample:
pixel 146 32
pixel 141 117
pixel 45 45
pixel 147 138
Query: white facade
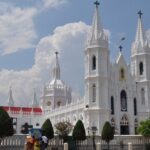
pixel 114 92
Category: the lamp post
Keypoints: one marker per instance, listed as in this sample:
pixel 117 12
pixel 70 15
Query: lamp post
pixel 94 129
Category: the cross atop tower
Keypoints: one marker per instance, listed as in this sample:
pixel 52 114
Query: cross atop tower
pixel 56 53
pixel 96 3
pixel 120 48
pixel 140 13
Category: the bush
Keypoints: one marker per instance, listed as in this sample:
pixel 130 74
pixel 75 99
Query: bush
pixel 6 124
pixel 144 128
pixel 47 129
pixel 79 131
pixel 107 132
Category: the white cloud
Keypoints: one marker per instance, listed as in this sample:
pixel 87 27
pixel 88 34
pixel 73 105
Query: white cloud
pixel 53 3
pixel 69 41
pixel 17 33
pixel 17 28
pixel 17 25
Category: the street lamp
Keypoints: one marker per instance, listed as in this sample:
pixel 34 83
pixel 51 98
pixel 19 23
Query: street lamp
pixel 94 129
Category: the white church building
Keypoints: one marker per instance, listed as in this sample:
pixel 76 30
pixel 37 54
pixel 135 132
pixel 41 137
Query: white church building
pixel 114 92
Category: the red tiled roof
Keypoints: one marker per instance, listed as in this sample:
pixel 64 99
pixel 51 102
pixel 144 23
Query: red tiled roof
pixel 26 109
pixel 23 109
pixel 37 110
pixel 15 109
pixel 6 108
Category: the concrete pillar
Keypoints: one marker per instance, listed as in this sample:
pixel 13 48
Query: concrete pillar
pixel 130 146
pixel 98 146
pixel 66 146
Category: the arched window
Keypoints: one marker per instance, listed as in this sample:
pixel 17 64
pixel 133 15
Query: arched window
pixel 141 69
pixel 122 74
pixel 143 96
pixel 112 105
pixel 93 63
pixel 94 93
pixel 135 106
pixel 123 100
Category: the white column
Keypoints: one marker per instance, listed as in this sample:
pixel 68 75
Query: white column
pixel 98 146
pixel 130 146
pixel 66 146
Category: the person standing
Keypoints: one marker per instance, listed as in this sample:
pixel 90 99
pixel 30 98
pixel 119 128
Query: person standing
pixel 44 143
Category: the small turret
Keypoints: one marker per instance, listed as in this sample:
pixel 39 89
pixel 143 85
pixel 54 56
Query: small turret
pixel 10 99
pixel 35 102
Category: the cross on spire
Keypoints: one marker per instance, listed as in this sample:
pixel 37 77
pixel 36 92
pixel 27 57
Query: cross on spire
pixel 96 3
pixel 140 13
pixel 56 53
pixel 120 47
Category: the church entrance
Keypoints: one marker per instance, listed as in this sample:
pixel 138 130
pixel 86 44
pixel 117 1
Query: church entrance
pixel 124 130
pixel 124 125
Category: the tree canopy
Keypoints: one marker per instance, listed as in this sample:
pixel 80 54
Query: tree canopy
pixel 63 128
pixel 79 131
pixel 144 128
pixel 6 124
pixel 47 129
pixel 107 132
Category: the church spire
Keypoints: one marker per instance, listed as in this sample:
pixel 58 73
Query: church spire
pixel 35 102
pixel 140 33
pixel 10 99
pixel 140 43
pixel 97 36
pixel 56 68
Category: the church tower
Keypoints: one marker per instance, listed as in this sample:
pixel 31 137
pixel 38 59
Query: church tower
pixel 56 93
pixel 96 75
pixel 140 69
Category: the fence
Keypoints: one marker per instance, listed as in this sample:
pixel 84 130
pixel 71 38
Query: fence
pixel 17 142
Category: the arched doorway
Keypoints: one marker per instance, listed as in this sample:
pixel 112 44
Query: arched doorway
pixel 124 125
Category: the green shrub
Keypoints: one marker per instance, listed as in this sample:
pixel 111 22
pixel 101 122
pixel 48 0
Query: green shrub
pixel 47 129
pixel 6 124
pixel 79 131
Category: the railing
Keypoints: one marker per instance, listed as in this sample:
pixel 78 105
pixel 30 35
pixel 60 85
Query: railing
pixel 17 142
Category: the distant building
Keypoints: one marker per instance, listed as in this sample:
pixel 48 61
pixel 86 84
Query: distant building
pixel 114 92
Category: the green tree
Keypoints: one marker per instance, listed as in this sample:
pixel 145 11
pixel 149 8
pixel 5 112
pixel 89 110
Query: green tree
pixel 63 129
pixel 6 124
pixel 47 129
pixel 107 133
pixel 144 128
pixel 79 131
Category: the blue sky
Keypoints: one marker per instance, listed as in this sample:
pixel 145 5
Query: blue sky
pixel 31 30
